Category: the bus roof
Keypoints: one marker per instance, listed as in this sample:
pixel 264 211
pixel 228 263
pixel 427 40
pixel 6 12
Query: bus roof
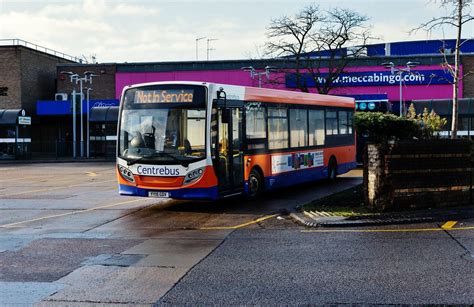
pixel 248 93
pixel 292 97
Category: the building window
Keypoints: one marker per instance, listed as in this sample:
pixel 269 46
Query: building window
pixel 298 128
pixel 331 123
pixel 350 123
pixel 343 122
pixel 316 127
pixel 277 128
pixel 255 121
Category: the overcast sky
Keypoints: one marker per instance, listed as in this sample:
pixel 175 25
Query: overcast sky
pixel 162 30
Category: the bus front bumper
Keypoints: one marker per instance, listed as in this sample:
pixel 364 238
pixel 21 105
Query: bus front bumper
pixel 184 193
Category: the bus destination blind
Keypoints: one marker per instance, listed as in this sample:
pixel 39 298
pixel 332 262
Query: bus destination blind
pixel 164 96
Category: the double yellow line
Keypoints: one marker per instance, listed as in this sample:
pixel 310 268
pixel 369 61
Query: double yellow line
pixel 446 226
pixel 240 225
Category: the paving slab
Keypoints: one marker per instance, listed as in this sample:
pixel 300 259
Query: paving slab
pixel 8 243
pixel 107 284
pixel 86 304
pixel 177 253
pixel 47 260
pixel 26 293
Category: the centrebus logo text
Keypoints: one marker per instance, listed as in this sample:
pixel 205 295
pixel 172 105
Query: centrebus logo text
pixel 157 171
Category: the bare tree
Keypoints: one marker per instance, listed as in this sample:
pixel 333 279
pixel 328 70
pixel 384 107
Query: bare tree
pixel 315 41
pixel 458 13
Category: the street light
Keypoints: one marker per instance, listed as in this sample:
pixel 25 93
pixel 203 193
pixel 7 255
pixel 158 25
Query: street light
pixel 88 89
pixel 75 79
pixel 253 73
pixel 209 49
pixel 399 71
pixel 197 40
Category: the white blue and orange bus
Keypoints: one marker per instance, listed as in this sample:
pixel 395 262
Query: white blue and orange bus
pixel 205 141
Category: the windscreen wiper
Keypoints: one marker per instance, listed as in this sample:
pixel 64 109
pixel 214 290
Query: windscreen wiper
pixel 131 162
pixel 162 153
pixel 158 154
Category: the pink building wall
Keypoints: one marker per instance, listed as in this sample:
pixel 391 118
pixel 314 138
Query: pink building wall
pixel 239 77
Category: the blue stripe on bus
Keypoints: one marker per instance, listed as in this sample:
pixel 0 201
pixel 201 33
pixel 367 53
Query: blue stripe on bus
pixel 302 176
pixel 271 183
pixel 185 193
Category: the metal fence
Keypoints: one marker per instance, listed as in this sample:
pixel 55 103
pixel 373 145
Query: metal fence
pixel 20 42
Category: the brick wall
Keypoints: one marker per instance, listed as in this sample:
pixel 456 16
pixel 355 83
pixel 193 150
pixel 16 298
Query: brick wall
pixel 418 174
pixel 10 76
pixel 103 85
pixel 29 75
pixel 38 79
pixel 468 82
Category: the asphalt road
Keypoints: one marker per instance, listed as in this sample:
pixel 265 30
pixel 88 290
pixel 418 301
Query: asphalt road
pixel 288 267
pixel 68 238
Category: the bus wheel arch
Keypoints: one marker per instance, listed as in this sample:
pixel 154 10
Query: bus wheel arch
pixel 255 182
pixel 332 168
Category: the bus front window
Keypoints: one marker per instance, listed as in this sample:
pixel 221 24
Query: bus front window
pixel 162 136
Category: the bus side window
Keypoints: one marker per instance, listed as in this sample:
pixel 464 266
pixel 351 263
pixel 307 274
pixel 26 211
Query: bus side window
pixel 214 145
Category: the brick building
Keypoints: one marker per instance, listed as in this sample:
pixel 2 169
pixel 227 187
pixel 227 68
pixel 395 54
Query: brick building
pixel 27 73
pixel 103 84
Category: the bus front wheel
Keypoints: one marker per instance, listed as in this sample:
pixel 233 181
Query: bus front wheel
pixel 255 183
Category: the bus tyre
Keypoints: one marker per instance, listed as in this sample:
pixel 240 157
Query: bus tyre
pixel 255 183
pixel 332 169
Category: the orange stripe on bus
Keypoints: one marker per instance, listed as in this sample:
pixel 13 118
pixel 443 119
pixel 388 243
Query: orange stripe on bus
pixel 279 96
pixel 208 179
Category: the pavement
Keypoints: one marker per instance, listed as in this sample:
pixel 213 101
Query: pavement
pixel 68 238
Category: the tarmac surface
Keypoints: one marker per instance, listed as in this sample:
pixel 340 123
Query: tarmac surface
pixel 284 267
pixel 68 238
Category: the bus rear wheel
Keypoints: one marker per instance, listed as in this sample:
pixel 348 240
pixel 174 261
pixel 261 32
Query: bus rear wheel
pixel 332 169
pixel 255 183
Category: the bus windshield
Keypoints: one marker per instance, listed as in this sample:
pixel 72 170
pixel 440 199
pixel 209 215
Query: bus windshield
pixel 162 135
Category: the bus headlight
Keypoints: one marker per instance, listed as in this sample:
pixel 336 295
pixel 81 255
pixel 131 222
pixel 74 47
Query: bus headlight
pixel 193 175
pixel 126 173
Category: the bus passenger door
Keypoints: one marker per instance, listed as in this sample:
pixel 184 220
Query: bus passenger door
pixel 230 166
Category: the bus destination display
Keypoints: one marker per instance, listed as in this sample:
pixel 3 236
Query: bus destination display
pixel 164 96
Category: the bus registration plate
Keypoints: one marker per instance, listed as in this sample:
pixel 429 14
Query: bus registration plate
pixel 158 194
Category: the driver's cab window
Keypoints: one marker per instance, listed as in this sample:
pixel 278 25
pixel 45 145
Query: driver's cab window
pixel 160 132
pixel 196 128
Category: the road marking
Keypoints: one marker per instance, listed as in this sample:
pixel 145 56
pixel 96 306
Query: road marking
pixel 21 178
pixel 449 224
pixel 240 225
pixel 56 188
pixel 91 174
pixel 386 230
pixel 12 225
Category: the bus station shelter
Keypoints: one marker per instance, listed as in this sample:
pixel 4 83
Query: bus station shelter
pixel 103 131
pixel 15 137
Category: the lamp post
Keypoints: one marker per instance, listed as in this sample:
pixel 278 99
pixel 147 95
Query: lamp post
pixel 253 73
pixel 399 71
pixel 209 49
pixel 88 111
pixel 197 40
pixel 75 79
pixel 72 78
